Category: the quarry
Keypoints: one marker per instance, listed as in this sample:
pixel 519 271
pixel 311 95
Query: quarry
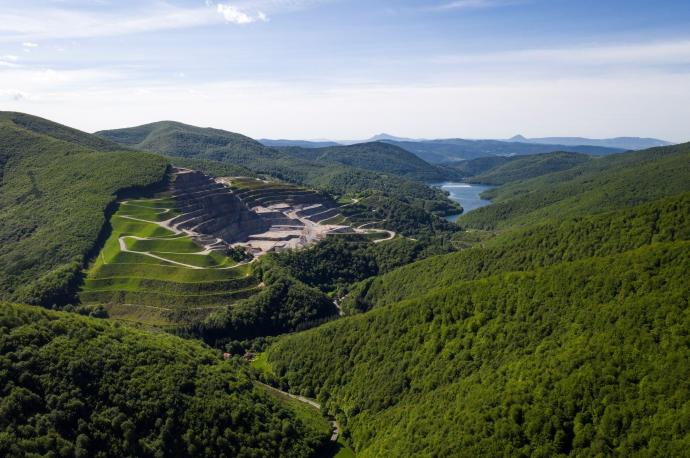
pixel 258 215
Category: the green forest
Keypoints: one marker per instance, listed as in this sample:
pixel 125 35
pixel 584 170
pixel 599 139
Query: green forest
pixel 335 177
pixel 619 180
pixel 82 387
pixel 55 198
pixel 552 322
pixel 584 358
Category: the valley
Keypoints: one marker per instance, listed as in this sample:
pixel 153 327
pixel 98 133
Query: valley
pixel 199 258
pixel 466 194
pixel 237 288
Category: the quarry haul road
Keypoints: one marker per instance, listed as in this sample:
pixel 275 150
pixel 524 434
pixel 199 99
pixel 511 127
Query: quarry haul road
pixel 123 248
pixel 166 225
pixel 334 424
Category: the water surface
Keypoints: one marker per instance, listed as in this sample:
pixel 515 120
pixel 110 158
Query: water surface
pixel 466 194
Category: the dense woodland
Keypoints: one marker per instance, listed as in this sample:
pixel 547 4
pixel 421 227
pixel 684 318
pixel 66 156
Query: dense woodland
pixel 285 304
pixel 588 358
pixel 541 245
pixel 377 157
pixel 54 200
pixel 564 337
pixel 502 170
pixel 608 183
pixel 176 139
pixel 74 386
pixel 553 322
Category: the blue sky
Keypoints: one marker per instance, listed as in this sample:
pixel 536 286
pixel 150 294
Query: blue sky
pixel 348 69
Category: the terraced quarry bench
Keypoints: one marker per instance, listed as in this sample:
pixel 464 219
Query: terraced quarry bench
pixel 149 270
pixel 165 258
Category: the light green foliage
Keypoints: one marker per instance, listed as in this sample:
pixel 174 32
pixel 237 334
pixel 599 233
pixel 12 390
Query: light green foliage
pixel 161 273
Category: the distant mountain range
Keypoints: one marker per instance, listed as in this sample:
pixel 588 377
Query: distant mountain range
pixel 626 143
pixel 458 149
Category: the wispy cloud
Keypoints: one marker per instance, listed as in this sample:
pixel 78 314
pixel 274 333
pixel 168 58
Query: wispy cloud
pixel 473 4
pixel 655 53
pixel 55 23
pixel 236 15
pixel 21 24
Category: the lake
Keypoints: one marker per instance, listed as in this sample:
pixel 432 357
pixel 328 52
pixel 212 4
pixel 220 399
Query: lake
pixel 466 194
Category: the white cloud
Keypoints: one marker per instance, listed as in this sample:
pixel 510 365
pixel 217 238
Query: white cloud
pixel 52 23
pixel 236 15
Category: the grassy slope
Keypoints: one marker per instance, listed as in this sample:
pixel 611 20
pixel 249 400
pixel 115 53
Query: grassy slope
pixel 45 232
pixel 74 386
pixel 129 282
pixel 586 357
pixel 620 180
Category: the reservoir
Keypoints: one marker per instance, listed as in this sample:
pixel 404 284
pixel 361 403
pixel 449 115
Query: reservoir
pixel 466 194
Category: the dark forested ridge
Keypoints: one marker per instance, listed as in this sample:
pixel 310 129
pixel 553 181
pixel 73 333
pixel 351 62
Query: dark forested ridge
pixel 75 386
pixel 587 358
pixel 54 196
pixel 177 139
pixel 620 180
pixel 517 168
pixel 377 157
pixel 566 336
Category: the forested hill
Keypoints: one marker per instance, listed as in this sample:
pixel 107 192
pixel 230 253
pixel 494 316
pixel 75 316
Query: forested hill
pixel 498 170
pixel 584 358
pixel 76 386
pixel 566 334
pixel 176 139
pixel 616 181
pixel 665 220
pixel 57 131
pixel 54 194
pixel 375 156
pixel 458 149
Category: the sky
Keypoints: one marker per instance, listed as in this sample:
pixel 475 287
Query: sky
pixel 349 69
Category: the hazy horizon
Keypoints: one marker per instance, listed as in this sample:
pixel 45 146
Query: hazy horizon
pixel 339 69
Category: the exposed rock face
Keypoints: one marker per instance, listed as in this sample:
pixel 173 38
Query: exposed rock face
pixel 213 209
pixel 260 215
